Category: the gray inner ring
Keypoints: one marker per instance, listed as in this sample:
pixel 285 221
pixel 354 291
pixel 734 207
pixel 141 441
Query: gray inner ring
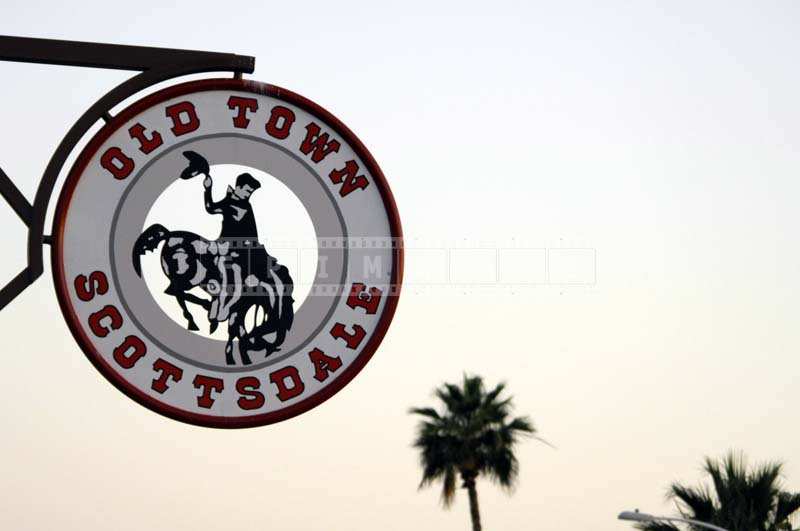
pixel 164 348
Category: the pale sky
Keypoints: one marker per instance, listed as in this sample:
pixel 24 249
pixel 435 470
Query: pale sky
pixel 662 137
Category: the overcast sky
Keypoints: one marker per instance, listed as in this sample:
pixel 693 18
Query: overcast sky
pixel 659 138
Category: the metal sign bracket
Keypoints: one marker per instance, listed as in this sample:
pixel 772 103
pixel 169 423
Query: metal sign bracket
pixel 154 64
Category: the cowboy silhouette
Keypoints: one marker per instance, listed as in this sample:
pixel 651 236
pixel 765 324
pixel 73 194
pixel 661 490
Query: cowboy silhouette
pixel 237 249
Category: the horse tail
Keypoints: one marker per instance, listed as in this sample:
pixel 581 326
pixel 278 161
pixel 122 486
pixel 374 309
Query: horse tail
pixel 146 242
pixel 285 287
pixel 278 300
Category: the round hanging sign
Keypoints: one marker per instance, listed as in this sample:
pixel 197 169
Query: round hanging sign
pixel 192 309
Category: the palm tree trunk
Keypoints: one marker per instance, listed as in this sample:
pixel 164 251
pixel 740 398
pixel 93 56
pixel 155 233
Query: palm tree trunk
pixel 469 484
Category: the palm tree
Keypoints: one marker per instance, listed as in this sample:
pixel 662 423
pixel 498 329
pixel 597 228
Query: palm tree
pixel 473 435
pixel 742 499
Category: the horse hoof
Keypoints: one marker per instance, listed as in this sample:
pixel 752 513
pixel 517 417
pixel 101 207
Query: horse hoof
pixel 193 327
pixel 212 327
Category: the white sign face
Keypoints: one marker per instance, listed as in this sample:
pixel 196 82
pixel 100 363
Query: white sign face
pixel 242 350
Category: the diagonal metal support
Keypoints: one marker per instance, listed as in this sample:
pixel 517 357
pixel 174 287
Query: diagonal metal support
pixel 14 197
pixel 15 287
pixel 155 64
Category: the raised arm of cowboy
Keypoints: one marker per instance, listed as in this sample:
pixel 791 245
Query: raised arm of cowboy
pixel 211 206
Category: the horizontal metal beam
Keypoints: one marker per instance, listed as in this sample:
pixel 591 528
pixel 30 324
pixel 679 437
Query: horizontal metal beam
pixel 113 56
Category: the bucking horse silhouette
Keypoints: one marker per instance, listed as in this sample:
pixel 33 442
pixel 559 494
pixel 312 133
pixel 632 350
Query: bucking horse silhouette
pixel 235 270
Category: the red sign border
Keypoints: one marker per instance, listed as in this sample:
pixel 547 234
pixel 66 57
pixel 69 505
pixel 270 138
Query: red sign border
pixel 62 286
